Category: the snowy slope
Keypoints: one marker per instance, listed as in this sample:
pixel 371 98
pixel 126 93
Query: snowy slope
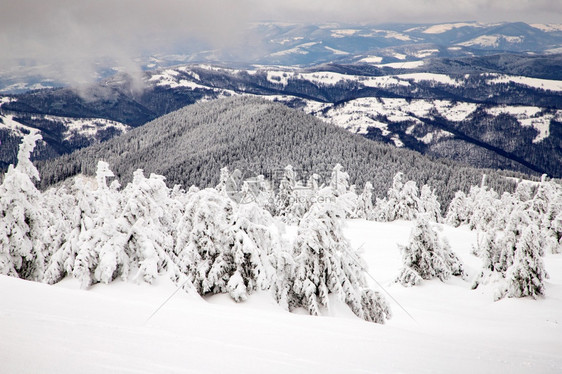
pixel 88 128
pixel 64 329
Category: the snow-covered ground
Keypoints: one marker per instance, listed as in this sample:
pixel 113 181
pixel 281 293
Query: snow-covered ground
pixel 441 28
pixel 83 127
pixel 544 84
pixel 63 329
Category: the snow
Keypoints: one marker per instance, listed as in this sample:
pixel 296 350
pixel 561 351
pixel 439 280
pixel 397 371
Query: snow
pixel 427 138
pixel 169 78
pixel 65 329
pixel 342 33
pixel 396 140
pixel 400 56
pixel 371 59
pixel 356 122
pixel 484 41
pixel 326 77
pixel 514 39
pixel 395 35
pixel 384 81
pixel 279 77
pixel 313 107
pixel 296 50
pixel 547 27
pixel 186 70
pixel 492 40
pixel 88 127
pixel 439 29
pixel 455 111
pixel 209 67
pixel 8 122
pixel 554 50
pixel 402 65
pixel 423 53
pixel 530 116
pixel 360 114
pixel 545 84
pixel 439 78
pixel 524 181
pixel 6 100
pixel 23 87
pixel 516 111
pixel 336 51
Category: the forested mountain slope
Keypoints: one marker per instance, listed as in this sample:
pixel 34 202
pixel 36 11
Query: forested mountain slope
pixel 189 146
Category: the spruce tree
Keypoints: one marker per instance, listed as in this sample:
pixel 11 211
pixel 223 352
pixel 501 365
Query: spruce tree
pixel 22 221
pixel 326 264
pixel 458 210
pixel 525 277
pixel 365 203
pixel 426 256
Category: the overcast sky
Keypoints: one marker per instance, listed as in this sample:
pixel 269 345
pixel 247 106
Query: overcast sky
pixel 69 35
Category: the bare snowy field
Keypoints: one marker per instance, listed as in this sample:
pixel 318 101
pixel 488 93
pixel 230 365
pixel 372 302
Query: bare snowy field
pixel 62 329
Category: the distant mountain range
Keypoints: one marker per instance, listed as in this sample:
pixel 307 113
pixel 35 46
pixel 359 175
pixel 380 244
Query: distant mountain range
pixel 499 111
pixel 486 95
pixel 291 44
pixel 294 44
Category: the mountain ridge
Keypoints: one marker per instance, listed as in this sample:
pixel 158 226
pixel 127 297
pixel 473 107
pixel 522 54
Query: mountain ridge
pixel 510 121
pixel 191 145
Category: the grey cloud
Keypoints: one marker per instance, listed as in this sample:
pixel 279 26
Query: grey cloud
pixel 418 11
pixel 70 39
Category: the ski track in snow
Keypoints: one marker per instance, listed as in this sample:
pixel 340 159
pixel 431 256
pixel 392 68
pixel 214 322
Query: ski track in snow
pixel 64 329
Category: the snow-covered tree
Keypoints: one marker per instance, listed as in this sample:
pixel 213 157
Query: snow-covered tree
pixel 557 228
pixel 365 203
pixel 339 181
pixel 101 255
pixel 482 206
pixel 408 205
pixel 348 202
pixel 289 201
pixel 429 205
pixel 326 264
pixel 256 245
pixel 202 235
pixel 147 219
pixel 527 274
pixel 77 208
pixel 22 221
pixel 223 181
pixel 222 249
pixel 512 257
pixel 546 193
pixel 313 183
pixel 504 208
pixel 546 207
pixel 381 209
pixel 457 213
pixel 523 192
pixel 62 233
pixel 258 190
pixel 390 205
pixel 426 256
pixel 402 200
